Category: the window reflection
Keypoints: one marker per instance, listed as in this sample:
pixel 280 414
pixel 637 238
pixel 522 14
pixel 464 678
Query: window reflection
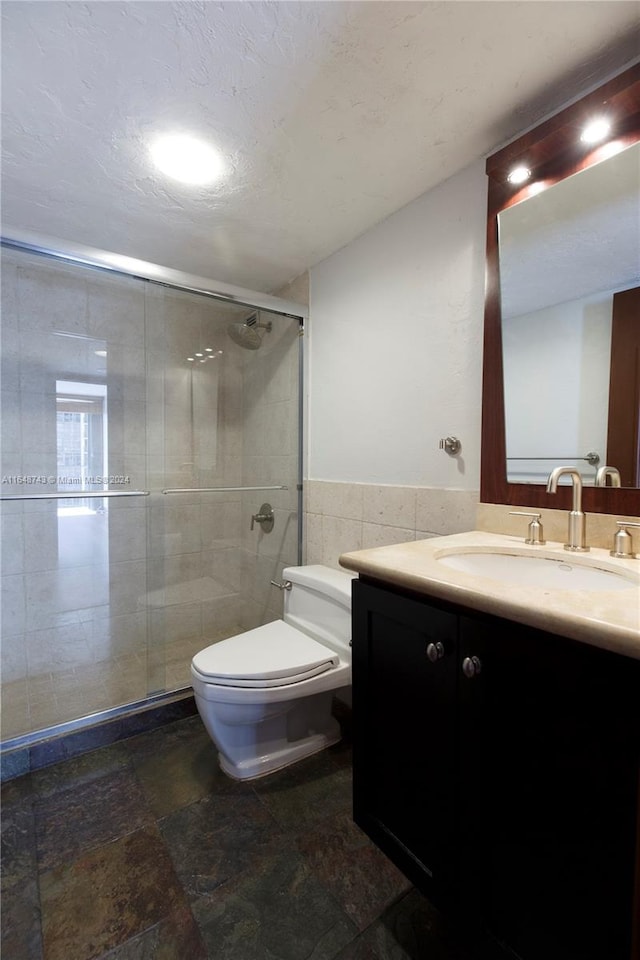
pixel 82 464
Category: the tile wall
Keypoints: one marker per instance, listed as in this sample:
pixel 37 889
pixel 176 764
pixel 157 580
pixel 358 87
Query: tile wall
pixel 340 517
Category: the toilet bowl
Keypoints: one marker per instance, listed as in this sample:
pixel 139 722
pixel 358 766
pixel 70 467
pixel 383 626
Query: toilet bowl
pixel 265 695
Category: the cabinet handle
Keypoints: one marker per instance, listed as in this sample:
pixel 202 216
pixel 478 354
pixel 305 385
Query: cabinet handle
pixel 471 666
pixel 435 651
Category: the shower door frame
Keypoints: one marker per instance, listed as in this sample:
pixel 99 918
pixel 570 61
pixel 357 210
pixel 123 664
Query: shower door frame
pixel 101 261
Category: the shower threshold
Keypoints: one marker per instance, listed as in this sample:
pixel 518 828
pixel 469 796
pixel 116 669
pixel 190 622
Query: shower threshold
pixel 49 745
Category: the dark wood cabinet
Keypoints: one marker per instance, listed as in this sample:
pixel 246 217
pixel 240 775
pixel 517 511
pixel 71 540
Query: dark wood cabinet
pixel 497 765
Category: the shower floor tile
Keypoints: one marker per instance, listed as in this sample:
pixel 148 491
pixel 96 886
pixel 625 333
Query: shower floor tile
pixel 145 850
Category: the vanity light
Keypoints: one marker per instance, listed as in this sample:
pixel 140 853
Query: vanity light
pixel 519 175
pixel 187 159
pixel 596 131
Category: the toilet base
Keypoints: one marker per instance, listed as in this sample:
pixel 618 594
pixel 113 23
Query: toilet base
pixel 252 768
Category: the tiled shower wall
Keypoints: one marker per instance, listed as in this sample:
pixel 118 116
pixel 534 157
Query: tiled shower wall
pixel 103 609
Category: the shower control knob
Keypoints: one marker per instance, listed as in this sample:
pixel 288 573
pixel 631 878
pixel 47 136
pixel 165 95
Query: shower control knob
pixel 435 651
pixel 471 667
pixel 264 518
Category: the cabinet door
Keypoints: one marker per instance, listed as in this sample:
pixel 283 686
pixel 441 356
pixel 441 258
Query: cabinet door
pixel 404 732
pixel 550 750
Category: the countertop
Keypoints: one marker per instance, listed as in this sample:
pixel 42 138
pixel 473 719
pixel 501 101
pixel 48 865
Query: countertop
pixel 603 618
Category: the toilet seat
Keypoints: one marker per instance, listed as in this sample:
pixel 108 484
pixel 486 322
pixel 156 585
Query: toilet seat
pixel 273 655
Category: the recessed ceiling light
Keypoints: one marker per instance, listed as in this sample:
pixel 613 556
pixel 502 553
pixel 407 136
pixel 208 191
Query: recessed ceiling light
pixel 596 131
pixel 187 159
pixel 519 175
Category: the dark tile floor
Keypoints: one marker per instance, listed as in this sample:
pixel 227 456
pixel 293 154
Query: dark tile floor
pixel 144 850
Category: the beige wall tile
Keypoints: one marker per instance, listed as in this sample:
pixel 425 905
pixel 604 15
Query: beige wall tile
pixel 445 511
pixel 389 505
pixel 313 539
pixel 601 527
pixel 376 535
pixel 339 536
pixel 336 499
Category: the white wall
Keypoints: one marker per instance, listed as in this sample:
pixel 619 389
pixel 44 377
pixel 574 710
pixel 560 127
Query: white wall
pixel 395 345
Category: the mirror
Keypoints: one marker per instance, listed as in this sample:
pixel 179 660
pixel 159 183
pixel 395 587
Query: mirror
pixel 563 262
pixel 565 254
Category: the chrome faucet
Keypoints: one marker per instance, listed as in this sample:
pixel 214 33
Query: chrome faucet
pixel 604 472
pixel 577 526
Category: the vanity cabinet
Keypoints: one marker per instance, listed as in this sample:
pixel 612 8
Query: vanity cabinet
pixel 497 765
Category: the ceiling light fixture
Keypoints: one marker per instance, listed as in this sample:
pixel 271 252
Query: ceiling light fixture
pixel 596 131
pixel 519 175
pixel 187 159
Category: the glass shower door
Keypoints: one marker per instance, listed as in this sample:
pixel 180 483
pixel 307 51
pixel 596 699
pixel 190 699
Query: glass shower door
pixel 74 519
pixel 223 422
pixel 142 429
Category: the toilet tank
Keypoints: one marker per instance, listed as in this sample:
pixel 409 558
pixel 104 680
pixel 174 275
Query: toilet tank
pixel 319 604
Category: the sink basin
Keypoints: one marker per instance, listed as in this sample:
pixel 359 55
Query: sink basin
pixel 525 570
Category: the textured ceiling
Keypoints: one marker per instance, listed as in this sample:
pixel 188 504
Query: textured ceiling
pixel 331 115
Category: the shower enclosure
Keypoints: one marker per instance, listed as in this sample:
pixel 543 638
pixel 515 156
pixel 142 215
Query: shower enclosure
pixel 143 429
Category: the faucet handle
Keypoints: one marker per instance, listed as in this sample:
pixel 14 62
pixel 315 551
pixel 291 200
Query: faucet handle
pixel 622 541
pixel 535 531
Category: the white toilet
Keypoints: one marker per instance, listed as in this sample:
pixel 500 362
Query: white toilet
pixel 265 695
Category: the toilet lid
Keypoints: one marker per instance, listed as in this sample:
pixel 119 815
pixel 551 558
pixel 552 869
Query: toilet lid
pixel 269 656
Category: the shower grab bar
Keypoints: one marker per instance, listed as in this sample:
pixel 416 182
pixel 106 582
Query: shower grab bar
pixel 76 495
pixel 221 489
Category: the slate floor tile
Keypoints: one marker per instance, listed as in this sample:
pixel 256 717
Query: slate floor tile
pixel 175 938
pixel 81 770
pixel 358 875
pixel 409 930
pixel 86 815
pixel 108 896
pixel 147 851
pixel 307 792
pixel 277 910
pixel 179 767
pixel 21 937
pixel 215 839
pixel 18 846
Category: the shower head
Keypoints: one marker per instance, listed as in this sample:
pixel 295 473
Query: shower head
pixel 245 332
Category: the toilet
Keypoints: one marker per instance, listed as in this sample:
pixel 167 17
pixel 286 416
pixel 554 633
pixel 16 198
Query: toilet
pixel 265 695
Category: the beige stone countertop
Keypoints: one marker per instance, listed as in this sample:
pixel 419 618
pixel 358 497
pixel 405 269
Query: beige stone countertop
pixel 603 618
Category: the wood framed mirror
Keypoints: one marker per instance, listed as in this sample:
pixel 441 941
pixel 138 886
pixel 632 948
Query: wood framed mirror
pixel 557 159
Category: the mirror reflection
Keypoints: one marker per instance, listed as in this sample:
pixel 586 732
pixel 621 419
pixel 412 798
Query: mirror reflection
pixel 570 292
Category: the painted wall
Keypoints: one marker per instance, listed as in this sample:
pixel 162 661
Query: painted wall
pixel 395 345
